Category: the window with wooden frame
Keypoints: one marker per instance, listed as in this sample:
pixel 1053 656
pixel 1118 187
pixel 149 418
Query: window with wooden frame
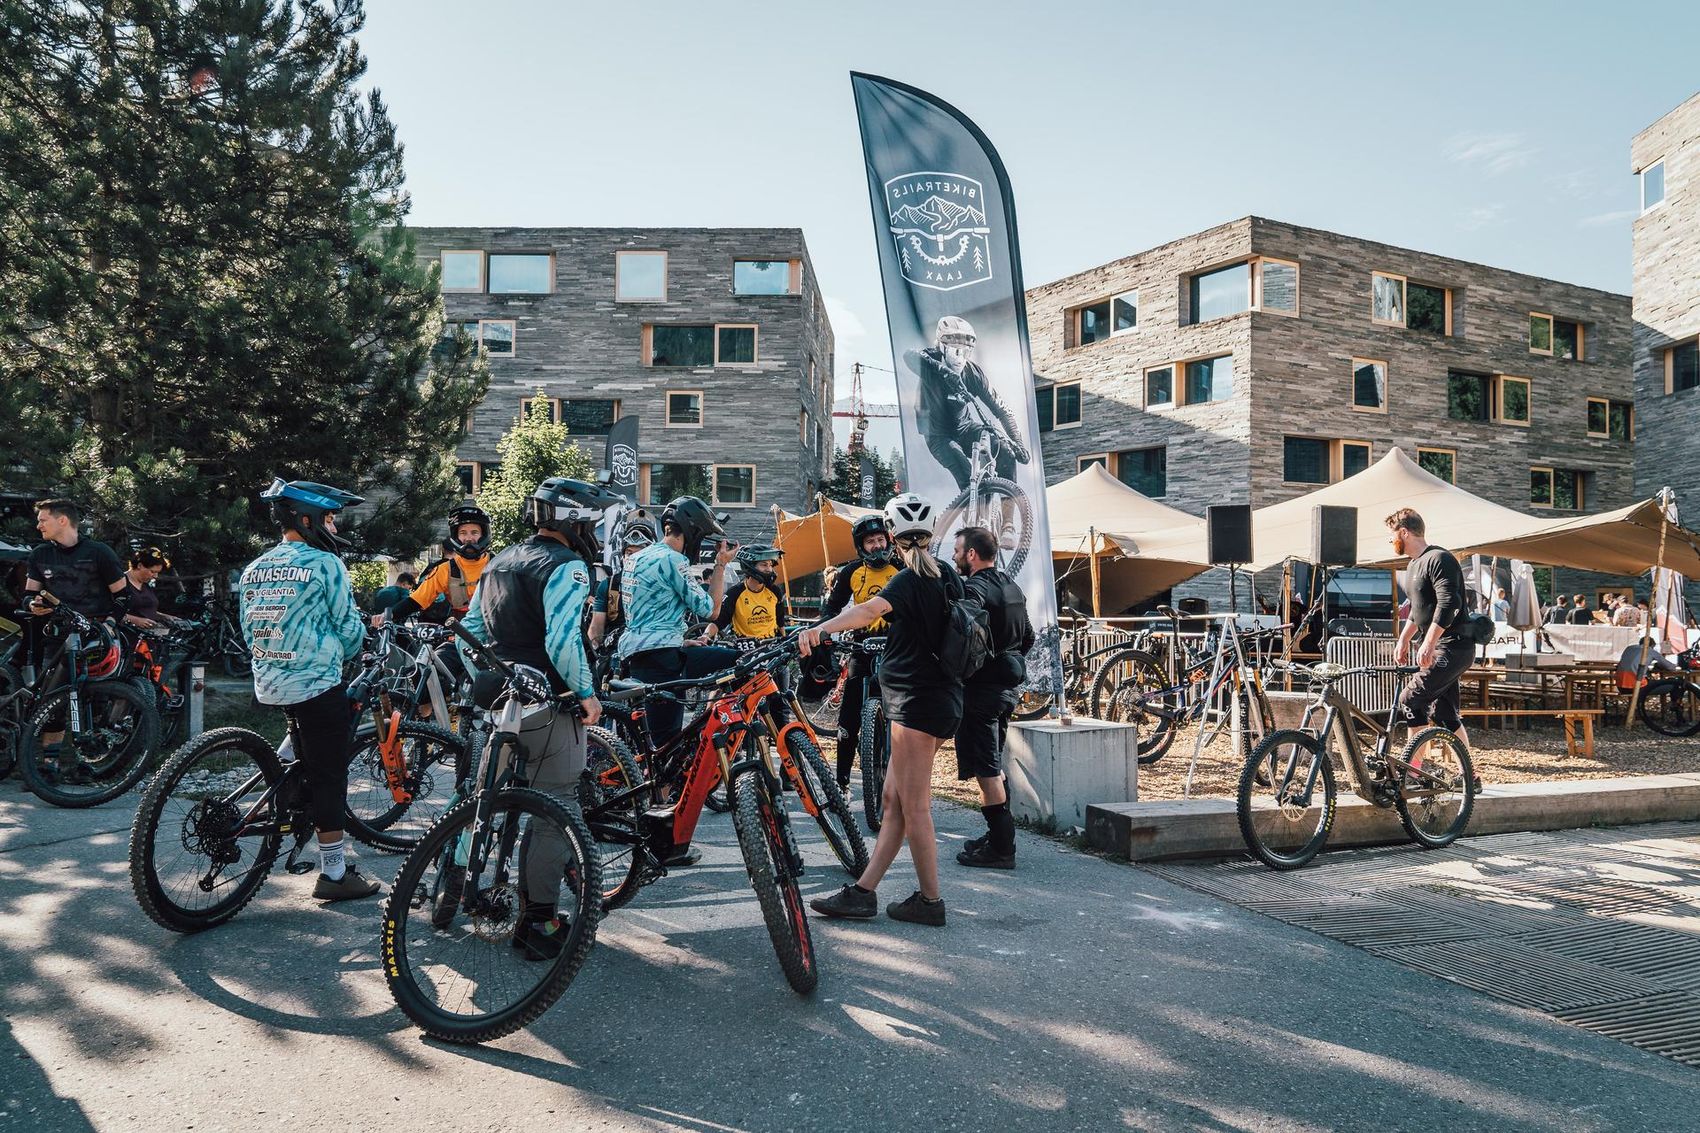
pixel 463 271
pixel 1441 462
pixel 734 485
pixel 466 471
pixel 1652 179
pixel 659 482
pixel 498 336
pixel 735 344
pixel 803 426
pixel 551 406
pixel 1611 419
pixel 640 277
pixel 1321 460
pixel 1103 319
pixel 1567 340
pixel 1682 367
pixel 1369 385
pixel 767 277
pixel 447 342
pixel 1219 292
pixel 1401 302
pixel 699 345
pixel 1099 458
pixel 1513 400
pixel 1562 489
pixel 1501 399
pixel 1208 379
pixel 487 469
pixel 684 409
pixel 1540 333
pixel 1058 406
pixel 1145 470
pixel 588 418
pixel 520 273
pixel 1275 286
pixel 1159 387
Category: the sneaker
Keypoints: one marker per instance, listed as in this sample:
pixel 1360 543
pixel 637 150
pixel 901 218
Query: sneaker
pixel 916 909
pixel 974 845
pixel 352 887
pixel 540 940
pixel 847 902
pixel 448 897
pixel 982 855
pixel 688 856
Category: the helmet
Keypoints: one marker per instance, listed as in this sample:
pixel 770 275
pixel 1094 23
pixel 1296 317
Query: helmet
pixel 296 500
pixel 468 512
pixel 100 653
pixel 559 503
pixel 755 553
pixel 694 521
pixel 910 514
pixel 954 327
pixel 870 525
pixel 639 531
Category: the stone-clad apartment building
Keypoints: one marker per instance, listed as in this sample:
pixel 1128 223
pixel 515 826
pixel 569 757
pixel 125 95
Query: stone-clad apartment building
pixel 1258 360
pixel 717 339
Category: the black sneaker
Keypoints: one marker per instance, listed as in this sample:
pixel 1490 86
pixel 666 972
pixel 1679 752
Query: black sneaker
pixel 448 897
pixel 916 909
pixel 541 940
pixel 981 854
pixel 973 845
pixel 352 887
pixel 679 859
pixel 847 902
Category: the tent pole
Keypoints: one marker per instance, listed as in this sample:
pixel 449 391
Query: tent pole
pixel 1092 550
pixel 1647 626
pixel 1287 609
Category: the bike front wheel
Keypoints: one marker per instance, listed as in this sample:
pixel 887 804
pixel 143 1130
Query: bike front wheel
pixel 611 771
pixel 102 745
pixel 873 750
pixel 1286 799
pixel 470 960
pixel 819 791
pixel 1671 708
pixel 1435 787
pixel 1003 507
pixel 773 863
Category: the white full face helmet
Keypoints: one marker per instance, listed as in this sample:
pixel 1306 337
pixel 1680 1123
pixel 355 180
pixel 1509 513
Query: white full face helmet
pixel 910 514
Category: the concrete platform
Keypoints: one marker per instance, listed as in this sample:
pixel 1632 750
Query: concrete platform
pixel 1201 828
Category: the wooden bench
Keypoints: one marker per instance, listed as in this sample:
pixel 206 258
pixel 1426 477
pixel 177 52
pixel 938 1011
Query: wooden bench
pixel 1569 716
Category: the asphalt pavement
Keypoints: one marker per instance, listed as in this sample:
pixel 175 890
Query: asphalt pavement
pixel 1071 994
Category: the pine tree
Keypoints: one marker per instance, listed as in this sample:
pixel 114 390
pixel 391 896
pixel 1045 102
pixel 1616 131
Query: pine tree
pixel 846 483
pixel 207 277
pixel 535 449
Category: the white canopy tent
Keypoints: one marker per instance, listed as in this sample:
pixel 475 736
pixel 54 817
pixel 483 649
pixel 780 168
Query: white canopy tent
pixel 1097 523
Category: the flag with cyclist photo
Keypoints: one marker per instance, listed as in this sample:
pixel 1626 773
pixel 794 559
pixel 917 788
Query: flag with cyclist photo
pixel 944 221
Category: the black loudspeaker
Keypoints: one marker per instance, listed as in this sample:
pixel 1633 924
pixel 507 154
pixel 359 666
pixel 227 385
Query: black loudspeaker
pixel 1229 527
pixel 1334 535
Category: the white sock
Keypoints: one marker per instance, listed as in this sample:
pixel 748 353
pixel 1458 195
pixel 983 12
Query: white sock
pixel 332 863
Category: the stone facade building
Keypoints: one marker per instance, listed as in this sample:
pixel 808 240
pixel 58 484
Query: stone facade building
pixel 715 338
pixel 1258 360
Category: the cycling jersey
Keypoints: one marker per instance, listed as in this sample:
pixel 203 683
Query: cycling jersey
pixel 661 599
pixel 300 620
pixel 749 614
pixel 531 609
pixel 454 578
pixel 856 584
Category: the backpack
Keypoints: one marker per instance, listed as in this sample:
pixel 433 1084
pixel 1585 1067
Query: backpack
pixel 966 644
pixel 1479 629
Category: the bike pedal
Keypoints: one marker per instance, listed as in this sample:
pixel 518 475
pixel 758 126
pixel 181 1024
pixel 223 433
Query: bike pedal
pixel 294 864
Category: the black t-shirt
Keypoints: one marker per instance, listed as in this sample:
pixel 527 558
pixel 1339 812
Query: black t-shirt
pixel 1006 611
pixel 144 602
pixel 910 665
pixel 80 576
pixel 1435 583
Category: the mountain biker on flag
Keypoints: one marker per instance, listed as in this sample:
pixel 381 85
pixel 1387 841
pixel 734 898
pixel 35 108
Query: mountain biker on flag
pixel 957 402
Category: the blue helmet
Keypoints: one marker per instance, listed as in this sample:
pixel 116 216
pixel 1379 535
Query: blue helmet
pixel 301 506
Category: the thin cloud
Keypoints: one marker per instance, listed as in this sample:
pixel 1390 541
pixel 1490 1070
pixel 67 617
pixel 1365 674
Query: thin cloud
pixel 845 323
pixel 1481 217
pixel 1495 154
pixel 1606 219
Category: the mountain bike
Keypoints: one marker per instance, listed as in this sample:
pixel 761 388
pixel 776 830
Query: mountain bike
pixel 1670 706
pixel 1286 799
pixel 225 642
pixel 461 948
pixel 992 502
pixel 873 737
pixel 1081 660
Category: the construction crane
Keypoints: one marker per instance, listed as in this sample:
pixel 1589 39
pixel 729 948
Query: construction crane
pixel 860 411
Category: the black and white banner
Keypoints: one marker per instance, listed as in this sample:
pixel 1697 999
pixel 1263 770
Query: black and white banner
pixel 867 481
pixel 944 219
pixel 621 459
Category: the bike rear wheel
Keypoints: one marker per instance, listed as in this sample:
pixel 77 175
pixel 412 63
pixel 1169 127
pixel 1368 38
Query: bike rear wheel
pixel 611 770
pixel 873 750
pixel 433 761
pixel 191 865
pixel 1671 708
pixel 1281 818
pixel 99 755
pixel 1434 799
pixel 1130 688
pixel 483 974
pixel 1001 498
pixel 814 782
pixel 772 861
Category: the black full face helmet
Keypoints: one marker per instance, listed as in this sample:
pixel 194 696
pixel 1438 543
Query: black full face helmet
pixel 871 525
pixel 301 506
pixel 694 522
pixel 752 556
pixel 466 513
pixel 573 508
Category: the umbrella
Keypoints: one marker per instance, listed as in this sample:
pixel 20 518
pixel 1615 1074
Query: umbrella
pixel 1670 611
pixel 1525 603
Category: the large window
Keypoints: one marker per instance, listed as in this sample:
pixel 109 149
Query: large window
pixel 1652 185
pixel 681 345
pixel 1540 333
pixel 735 485
pixel 1145 470
pixel 528 274
pixel 1567 340
pixel 666 482
pixel 1612 419
pixel 1682 367
pixel 684 409
pixel 1396 301
pixel 766 277
pixel 1499 398
pixel 1159 386
pixel 1210 379
pixel 466 472
pixel 1369 385
pixel 462 271
pixel 640 277
pixel 1441 462
pixel 1106 318
pixel 588 418
pixel 1217 294
pixel 1318 460
pixel 736 346
pixel 1558 488
pixel 1059 406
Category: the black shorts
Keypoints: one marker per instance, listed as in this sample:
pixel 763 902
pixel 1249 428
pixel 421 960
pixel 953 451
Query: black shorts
pixel 930 710
pixel 981 735
pixel 1431 696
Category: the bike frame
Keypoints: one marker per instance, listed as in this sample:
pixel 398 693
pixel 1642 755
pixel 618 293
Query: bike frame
pixel 1338 714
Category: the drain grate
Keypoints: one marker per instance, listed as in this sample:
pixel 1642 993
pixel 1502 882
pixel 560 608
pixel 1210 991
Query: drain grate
pixel 1518 974
pixel 1494 918
pixel 1670 958
pixel 1667 1024
pixel 1369 922
pixel 1598 896
pixel 1240 882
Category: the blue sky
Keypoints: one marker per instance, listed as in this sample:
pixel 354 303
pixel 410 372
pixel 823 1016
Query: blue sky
pixel 1484 131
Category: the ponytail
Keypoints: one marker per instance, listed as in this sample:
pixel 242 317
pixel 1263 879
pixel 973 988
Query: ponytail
pixel 918 558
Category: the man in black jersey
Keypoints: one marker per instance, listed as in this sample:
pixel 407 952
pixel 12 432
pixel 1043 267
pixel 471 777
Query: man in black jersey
pixel 1435 583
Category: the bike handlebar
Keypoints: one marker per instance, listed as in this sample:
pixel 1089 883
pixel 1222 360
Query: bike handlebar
pixel 1326 673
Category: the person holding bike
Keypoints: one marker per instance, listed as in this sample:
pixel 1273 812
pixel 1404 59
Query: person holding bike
pixel 84 574
pixel 662 599
pixel 923 703
pixel 755 607
pixel 958 404
pixel 530 609
pixel 988 697
pixel 300 619
pixel 854 583
pixel 1435 583
pixel 454 577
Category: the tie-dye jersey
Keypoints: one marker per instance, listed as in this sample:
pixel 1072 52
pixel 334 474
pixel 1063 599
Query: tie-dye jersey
pixel 299 617
pixel 661 600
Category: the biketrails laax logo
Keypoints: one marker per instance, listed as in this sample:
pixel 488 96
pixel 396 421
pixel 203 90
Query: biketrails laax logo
pixel 938 221
pixel 625 467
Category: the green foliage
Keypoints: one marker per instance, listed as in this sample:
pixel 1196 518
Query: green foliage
pixel 207 279
pixel 368 577
pixel 845 485
pixel 535 449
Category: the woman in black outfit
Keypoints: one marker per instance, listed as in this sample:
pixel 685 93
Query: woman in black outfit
pixel 924 706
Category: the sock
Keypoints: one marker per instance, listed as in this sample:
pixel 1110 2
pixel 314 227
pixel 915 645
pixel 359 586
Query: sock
pixel 859 889
pixel 1000 828
pixel 332 862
